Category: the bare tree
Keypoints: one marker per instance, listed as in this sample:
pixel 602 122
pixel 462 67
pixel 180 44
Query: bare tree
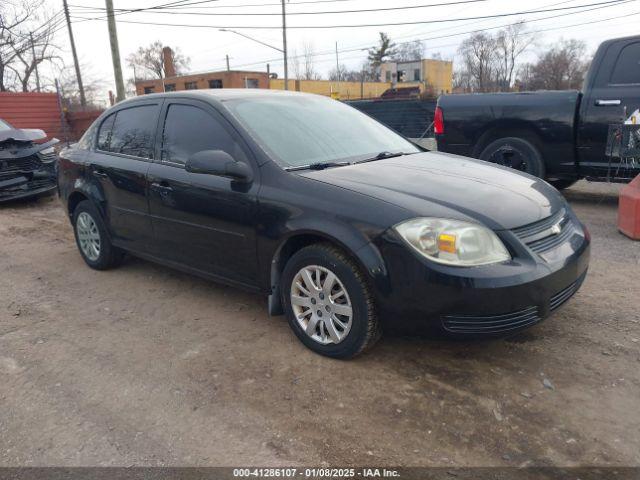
pixel 409 51
pixel 560 67
pixel 32 52
pixel 149 62
pixel 308 54
pixel 94 88
pixel 479 60
pixel 511 43
pixel 17 19
pixel 364 74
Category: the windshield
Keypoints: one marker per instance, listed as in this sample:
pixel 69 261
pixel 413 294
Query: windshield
pixel 4 126
pixel 306 129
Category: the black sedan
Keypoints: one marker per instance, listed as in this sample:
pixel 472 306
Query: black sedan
pixel 346 226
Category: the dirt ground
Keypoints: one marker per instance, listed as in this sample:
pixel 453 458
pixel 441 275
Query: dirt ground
pixel 146 366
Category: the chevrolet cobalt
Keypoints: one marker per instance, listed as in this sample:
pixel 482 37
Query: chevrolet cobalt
pixel 347 227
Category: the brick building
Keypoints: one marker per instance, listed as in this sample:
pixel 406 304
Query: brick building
pixel 197 81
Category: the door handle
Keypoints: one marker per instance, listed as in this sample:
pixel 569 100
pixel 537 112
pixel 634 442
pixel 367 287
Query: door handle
pixel 161 186
pixel 100 173
pixel 608 103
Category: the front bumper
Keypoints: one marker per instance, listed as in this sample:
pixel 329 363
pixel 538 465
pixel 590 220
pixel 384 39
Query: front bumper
pixel 38 182
pixel 498 299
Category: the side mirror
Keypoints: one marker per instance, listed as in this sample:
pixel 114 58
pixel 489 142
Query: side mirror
pixel 218 162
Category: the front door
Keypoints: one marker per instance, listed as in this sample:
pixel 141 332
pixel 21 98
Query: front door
pixel 613 96
pixel 205 222
pixel 118 167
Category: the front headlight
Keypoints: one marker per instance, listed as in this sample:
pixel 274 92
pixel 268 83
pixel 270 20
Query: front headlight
pixel 453 242
pixel 47 155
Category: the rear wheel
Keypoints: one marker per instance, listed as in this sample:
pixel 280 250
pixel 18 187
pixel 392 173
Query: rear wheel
pixel 516 153
pixel 92 239
pixel 328 302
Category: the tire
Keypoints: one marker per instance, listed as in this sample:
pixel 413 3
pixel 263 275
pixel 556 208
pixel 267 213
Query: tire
pixel 331 333
pixel 89 229
pixel 516 153
pixel 562 183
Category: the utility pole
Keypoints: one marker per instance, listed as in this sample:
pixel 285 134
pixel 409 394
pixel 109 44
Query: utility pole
pixel 35 61
pixel 284 46
pixel 115 51
pixel 83 100
pixel 337 63
pixel 227 57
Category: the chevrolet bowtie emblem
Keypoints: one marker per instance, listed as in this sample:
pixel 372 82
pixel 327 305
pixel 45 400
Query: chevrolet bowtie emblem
pixel 556 229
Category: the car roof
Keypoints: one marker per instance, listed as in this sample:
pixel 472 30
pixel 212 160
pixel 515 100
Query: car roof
pixel 220 94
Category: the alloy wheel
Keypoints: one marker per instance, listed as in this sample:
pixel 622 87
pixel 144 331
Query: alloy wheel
pixel 88 236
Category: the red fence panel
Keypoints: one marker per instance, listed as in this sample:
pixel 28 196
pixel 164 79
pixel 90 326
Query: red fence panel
pixel 32 110
pixel 80 121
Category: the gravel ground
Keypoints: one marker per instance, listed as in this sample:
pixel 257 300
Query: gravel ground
pixel 146 366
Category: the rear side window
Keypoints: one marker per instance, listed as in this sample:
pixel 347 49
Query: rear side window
pixel 627 68
pixel 104 135
pixel 131 133
pixel 188 130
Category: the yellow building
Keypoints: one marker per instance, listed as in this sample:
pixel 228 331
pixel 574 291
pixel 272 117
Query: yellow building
pixel 432 75
pixel 334 89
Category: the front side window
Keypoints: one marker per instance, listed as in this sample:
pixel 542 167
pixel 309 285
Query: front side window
pixel 188 130
pixel 4 126
pixel 627 68
pixel 132 132
pixel 298 130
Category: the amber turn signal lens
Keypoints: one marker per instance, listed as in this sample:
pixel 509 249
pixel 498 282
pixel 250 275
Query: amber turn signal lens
pixel 447 243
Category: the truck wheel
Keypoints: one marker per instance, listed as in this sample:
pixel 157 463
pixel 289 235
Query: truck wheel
pixel 516 153
pixel 328 302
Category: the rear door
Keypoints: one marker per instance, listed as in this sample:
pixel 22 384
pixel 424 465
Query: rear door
pixel 205 222
pixel 614 94
pixel 119 165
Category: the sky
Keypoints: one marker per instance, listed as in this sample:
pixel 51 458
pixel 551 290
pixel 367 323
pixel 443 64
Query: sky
pixel 442 28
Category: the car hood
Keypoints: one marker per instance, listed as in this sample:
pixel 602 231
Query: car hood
pixel 438 184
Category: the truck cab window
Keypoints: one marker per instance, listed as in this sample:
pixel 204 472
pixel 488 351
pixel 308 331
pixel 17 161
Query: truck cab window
pixel 627 68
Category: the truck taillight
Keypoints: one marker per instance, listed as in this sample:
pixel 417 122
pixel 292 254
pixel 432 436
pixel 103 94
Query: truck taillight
pixel 438 122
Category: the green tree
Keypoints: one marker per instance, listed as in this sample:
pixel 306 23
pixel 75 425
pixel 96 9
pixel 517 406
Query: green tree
pixel 382 52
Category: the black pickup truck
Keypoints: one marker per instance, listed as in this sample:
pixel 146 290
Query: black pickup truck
pixel 557 135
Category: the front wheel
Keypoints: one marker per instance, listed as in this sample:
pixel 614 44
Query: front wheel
pixel 516 153
pixel 328 302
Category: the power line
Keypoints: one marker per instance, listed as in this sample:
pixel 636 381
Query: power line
pixel 347 50
pixel 314 27
pixel 335 12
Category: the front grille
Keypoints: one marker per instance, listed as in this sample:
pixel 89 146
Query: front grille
pixel 548 233
pixel 491 323
pixel 566 293
pixel 19 165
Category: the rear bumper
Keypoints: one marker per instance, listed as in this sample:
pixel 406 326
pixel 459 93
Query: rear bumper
pixel 490 300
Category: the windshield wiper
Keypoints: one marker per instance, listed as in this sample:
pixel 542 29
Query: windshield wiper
pixel 382 156
pixel 317 166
